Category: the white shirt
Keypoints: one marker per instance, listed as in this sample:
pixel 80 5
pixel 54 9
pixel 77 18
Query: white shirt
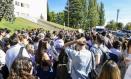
pixel 106 39
pixel 36 45
pixel 128 73
pixel 59 43
pixel 2 57
pixel 7 36
pixel 12 53
pixel 81 63
pixel 130 37
pixel 128 57
pixel 96 50
pixel 104 48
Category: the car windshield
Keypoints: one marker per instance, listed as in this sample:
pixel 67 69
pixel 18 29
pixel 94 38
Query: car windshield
pixel 99 30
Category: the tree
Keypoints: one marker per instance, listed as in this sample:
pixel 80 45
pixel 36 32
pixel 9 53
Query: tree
pixel 93 15
pixel 7 10
pixel 101 14
pixel 60 18
pixel 84 12
pixel 48 13
pixel 119 26
pixel 2 8
pixel 66 17
pixel 73 8
pixel 111 25
pixel 52 16
pixel 128 26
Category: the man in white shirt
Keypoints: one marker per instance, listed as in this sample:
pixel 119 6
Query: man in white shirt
pixel 13 51
pixel 81 63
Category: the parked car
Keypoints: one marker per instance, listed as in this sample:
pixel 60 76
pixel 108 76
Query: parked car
pixel 99 29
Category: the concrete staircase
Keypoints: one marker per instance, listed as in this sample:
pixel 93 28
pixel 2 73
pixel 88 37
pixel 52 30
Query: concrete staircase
pixel 47 26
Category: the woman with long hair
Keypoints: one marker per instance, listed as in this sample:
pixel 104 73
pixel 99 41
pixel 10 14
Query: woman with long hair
pixel 44 63
pixel 42 54
pixel 110 70
pixel 22 68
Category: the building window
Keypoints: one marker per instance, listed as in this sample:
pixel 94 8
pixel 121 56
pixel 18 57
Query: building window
pixel 17 3
pixel 27 5
pixel 22 5
pixel 27 14
pixel 23 14
pixel 17 13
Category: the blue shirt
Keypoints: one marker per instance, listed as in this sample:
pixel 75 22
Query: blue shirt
pixel 81 63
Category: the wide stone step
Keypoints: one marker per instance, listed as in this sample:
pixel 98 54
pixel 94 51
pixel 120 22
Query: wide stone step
pixel 47 26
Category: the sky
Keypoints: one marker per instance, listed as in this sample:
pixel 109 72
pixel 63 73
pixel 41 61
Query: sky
pixel 110 6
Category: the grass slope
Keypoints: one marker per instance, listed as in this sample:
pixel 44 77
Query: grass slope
pixel 19 24
pixel 60 26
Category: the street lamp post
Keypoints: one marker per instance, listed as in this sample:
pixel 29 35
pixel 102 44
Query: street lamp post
pixel 118 10
pixel 117 17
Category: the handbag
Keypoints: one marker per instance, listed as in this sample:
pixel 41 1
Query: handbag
pixel 93 74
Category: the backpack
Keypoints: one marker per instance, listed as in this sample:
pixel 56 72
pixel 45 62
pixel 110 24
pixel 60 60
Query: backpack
pixel 62 71
pixel 105 56
pixel 63 58
pixel 93 74
pixel 114 57
pixel 20 53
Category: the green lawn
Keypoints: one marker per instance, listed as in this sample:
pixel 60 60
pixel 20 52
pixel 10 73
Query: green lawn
pixel 19 24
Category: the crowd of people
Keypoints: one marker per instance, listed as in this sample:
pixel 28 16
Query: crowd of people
pixel 40 54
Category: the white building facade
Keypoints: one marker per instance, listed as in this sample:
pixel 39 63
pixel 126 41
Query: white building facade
pixel 32 10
